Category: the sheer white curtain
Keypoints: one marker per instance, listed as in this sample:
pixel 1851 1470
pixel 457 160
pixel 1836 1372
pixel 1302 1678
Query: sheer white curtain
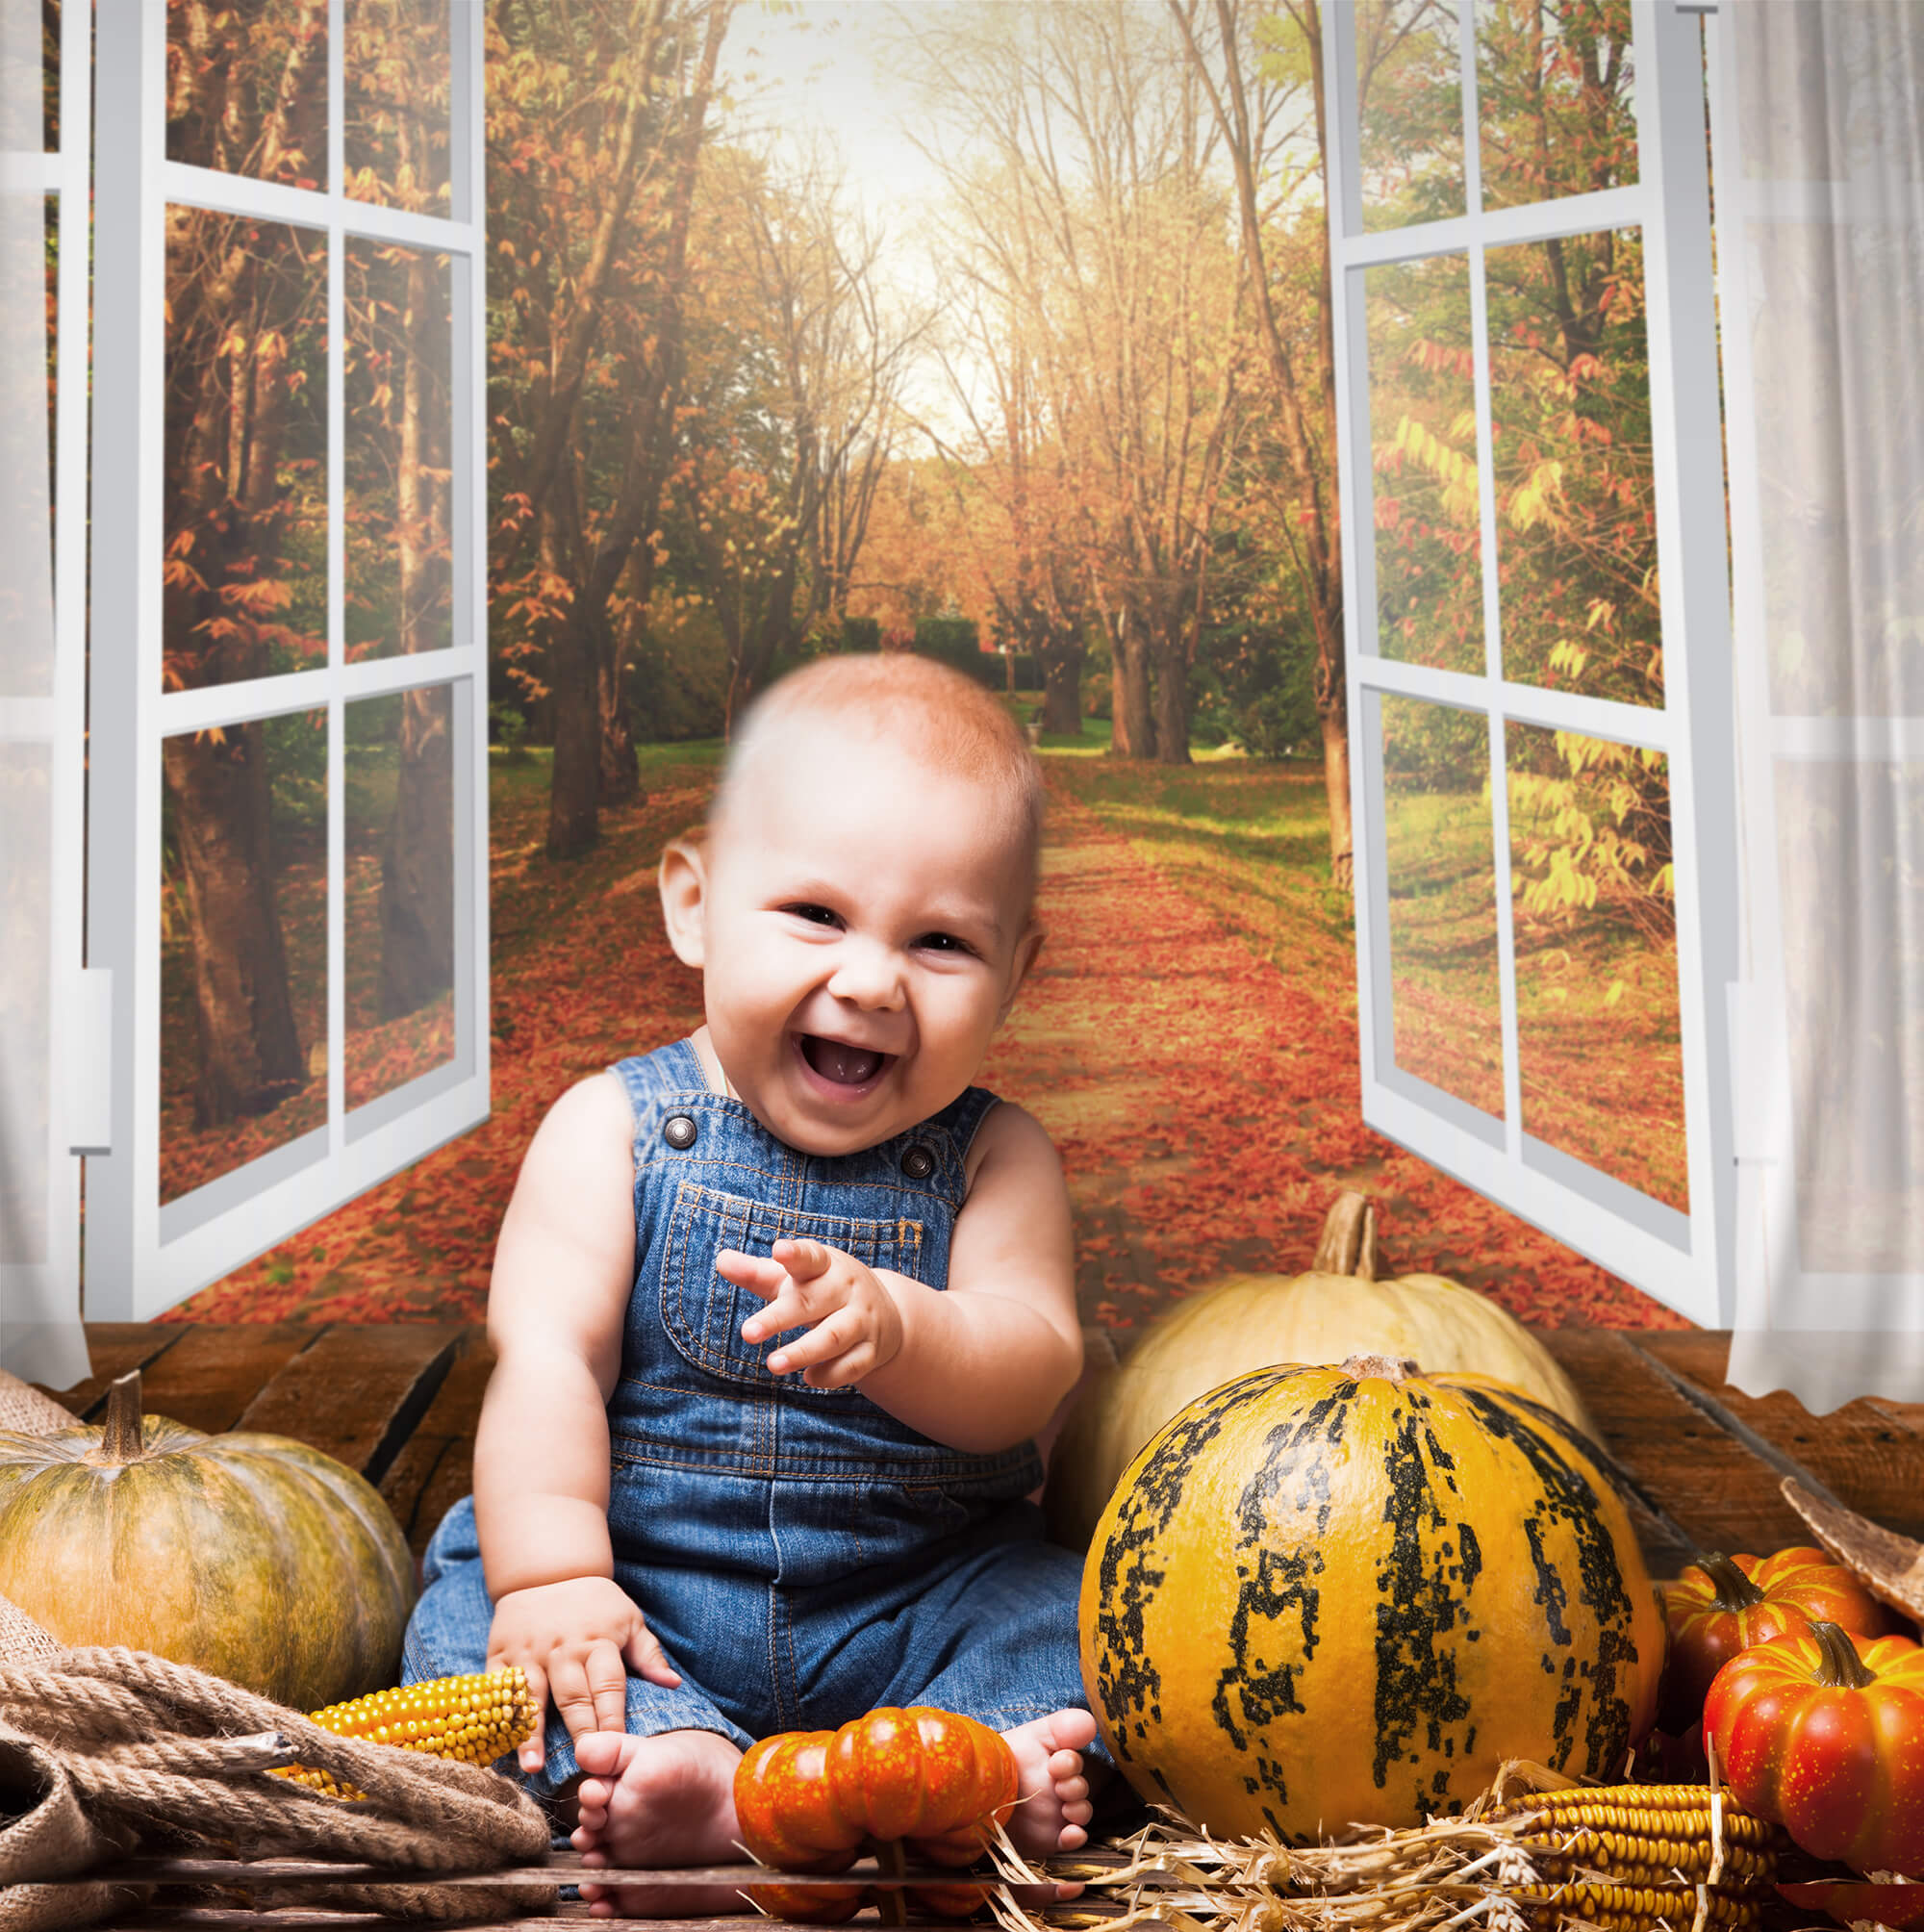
pixel 40 1329
pixel 1819 142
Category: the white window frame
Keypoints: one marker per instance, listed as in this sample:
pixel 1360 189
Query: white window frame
pixel 1683 1260
pixel 33 1341
pixel 142 1257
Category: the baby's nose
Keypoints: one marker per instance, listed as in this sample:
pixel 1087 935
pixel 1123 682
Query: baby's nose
pixel 867 975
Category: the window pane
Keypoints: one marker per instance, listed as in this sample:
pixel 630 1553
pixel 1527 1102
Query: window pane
pixel 244 943
pixel 245 490
pixel 1410 82
pixel 1599 1041
pixel 399 426
pixel 1442 900
pixel 1556 108
pixel 50 81
pixel 399 72
pixel 1423 433
pixel 26 998
pixel 1576 495
pixel 399 810
pixel 247 88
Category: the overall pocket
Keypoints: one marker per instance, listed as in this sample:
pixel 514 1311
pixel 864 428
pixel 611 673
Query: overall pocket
pixel 702 1313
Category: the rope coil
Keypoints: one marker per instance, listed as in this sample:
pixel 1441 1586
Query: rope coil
pixel 160 1750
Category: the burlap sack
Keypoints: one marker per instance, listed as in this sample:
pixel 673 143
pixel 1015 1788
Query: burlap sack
pixel 45 1835
pixel 23 1408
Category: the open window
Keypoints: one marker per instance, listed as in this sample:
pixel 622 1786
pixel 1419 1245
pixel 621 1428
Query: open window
pixel 1539 636
pixel 286 844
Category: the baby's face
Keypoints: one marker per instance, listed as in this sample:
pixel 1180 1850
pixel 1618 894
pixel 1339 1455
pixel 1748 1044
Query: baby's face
pixel 860 918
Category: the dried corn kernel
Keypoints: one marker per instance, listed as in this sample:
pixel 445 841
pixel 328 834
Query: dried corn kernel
pixel 473 1720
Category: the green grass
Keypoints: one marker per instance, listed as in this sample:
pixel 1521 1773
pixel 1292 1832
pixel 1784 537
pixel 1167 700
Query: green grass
pixel 1249 838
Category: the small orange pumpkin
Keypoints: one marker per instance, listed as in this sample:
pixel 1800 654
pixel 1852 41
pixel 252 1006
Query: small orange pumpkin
pixel 930 1780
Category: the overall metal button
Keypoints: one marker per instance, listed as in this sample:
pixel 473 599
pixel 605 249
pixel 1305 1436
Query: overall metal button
pixel 679 1131
pixel 918 1163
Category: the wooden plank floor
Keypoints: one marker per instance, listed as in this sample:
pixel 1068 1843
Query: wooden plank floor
pixel 400 1403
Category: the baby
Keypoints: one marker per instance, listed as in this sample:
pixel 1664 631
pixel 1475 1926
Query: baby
pixel 776 1309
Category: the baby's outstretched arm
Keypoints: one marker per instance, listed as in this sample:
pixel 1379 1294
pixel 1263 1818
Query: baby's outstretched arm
pixel 563 1269
pixel 978 1367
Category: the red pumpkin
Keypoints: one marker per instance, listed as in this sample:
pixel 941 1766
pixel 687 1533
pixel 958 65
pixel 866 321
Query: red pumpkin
pixel 1824 1732
pixel 1722 1605
pixel 810 1801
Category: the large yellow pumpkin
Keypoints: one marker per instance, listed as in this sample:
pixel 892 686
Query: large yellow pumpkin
pixel 251 1555
pixel 1329 1596
pixel 1337 1310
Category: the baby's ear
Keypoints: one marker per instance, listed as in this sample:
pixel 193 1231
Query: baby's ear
pixel 683 880
pixel 1026 949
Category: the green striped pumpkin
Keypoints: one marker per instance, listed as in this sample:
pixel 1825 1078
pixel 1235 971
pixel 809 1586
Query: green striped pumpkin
pixel 250 1556
pixel 1329 1596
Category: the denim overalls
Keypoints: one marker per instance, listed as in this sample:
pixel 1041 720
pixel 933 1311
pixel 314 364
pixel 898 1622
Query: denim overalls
pixel 801 1556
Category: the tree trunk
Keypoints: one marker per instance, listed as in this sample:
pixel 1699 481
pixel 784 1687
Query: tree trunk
pixel 418 861
pixel 1062 689
pixel 574 823
pixel 417 857
pixel 250 1049
pixel 1132 716
pixel 1170 647
pixel 1335 720
pixel 620 770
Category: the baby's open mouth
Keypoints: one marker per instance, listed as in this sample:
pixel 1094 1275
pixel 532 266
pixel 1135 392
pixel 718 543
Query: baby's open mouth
pixel 846 1065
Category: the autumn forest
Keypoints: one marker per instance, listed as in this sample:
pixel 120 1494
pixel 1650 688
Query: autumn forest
pixel 1074 431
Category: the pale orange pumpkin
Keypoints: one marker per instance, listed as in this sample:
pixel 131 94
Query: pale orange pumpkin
pixel 250 1556
pixel 1338 1309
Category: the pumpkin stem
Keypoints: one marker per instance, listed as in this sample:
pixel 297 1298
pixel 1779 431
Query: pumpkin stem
pixel 1380 1368
pixel 1838 1665
pixel 1349 1243
pixel 891 1900
pixel 120 1440
pixel 1734 1590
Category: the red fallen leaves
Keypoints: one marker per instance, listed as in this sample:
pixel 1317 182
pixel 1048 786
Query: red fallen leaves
pixel 1189 1042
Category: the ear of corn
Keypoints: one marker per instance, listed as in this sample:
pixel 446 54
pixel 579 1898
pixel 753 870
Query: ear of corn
pixel 473 1720
pixel 1637 1908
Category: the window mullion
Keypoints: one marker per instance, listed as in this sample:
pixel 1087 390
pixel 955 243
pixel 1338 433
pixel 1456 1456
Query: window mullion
pixel 1486 522
pixel 337 574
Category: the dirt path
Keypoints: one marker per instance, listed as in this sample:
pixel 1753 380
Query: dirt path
pixel 1205 1104
pixel 1203 1099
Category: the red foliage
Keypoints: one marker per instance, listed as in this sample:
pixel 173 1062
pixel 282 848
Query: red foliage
pixel 1204 1100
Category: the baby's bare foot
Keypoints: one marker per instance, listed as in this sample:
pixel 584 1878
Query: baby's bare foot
pixel 1052 1809
pixel 657 1801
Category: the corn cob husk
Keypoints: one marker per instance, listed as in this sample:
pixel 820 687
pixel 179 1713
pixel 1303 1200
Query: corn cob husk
pixel 1630 1858
pixel 473 1720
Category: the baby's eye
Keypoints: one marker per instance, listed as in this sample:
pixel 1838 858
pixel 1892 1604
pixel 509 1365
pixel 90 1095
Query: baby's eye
pixel 815 915
pixel 943 942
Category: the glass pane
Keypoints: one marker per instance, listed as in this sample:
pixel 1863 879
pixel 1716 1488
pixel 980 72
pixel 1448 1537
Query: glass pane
pixel 244 943
pixel 1848 833
pixel 1576 493
pixel 1556 106
pixel 247 88
pixel 1410 90
pixel 399 77
pixel 399 968
pixel 1442 899
pixel 1422 437
pixel 400 427
pixel 49 88
pixel 1599 1042
pixel 245 490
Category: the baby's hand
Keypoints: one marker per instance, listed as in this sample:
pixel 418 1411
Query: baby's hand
pixel 572 1638
pixel 854 1327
